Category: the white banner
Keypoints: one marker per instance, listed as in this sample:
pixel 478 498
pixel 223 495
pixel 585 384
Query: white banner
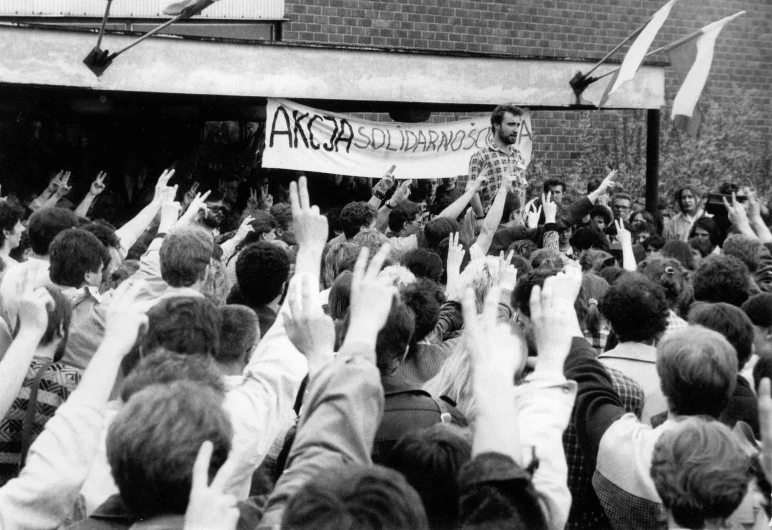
pixel 307 139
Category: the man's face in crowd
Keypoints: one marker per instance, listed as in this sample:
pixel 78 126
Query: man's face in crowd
pixel 696 257
pixel 557 194
pixel 270 235
pixel 701 233
pixel 508 129
pixel 600 222
pixel 94 279
pixel 14 236
pixel 643 235
pixel 621 208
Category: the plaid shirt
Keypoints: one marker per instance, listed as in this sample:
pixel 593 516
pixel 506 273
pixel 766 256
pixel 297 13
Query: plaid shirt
pixel 586 512
pixel 674 322
pixel 497 163
pixel 597 341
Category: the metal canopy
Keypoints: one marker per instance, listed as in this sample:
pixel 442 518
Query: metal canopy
pixel 207 67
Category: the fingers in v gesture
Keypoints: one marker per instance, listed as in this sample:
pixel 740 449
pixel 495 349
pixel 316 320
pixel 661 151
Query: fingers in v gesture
pixel 209 507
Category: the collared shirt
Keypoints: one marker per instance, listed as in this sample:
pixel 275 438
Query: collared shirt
pixel 497 163
pixel 87 326
pixel 680 225
pixel 639 362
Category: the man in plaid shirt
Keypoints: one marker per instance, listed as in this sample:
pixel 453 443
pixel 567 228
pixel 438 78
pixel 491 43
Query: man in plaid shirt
pixel 499 158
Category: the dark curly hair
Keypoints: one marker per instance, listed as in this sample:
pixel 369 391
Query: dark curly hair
pixel 731 322
pixel 438 229
pixel 424 297
pixel 354 216
pixel 721 279
pixel 261 271
pixel 10 214
pixel 423 263
pixel 521 296
pixel 669 274
pixel 636 308
pixel 402 214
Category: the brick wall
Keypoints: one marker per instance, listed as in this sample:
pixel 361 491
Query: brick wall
pixel 552 28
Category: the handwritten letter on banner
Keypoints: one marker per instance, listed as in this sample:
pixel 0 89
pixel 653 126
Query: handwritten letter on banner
pixel 306 139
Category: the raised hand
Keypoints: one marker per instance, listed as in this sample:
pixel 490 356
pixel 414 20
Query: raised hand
pixel 209 507
pixel 455 259
pixel 33 304
pixel 170 210
pixel 196 209
pixel 54 184
pixel 98 186
pixel 387 181
pixel 550 208
pixel 496 352
pixel 608 182
pixel 267 202
pixel 371 298
pixel 737 214
pixel 126 320
pixel 64 186
pixel 245 228
pixel 481 179
pixel 190 194
pixel 402 192
pixel 533 216
pixel 308 328
pixel 554 320
pixel 310 227
pixel 162 185
pixel 624 236
pixel 253 201
pixel 507 271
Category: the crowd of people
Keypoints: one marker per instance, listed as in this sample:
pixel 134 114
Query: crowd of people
pixel 334 352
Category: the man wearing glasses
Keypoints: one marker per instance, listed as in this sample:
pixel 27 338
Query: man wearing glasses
pixel 499 158
pixel 621 205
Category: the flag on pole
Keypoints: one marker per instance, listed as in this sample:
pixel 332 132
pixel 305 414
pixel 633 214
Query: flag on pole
pixel 175 7
pixel 638 49
pixel 692 60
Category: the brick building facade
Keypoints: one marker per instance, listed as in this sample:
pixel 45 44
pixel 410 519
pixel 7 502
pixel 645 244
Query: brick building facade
pixel 556 29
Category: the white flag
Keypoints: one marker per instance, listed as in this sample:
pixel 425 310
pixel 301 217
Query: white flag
pixel 175 7
pixel 640 47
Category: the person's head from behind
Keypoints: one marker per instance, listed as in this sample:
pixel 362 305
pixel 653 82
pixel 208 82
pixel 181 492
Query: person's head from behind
pixel 239 335
pixel 11 229
pixel 356 496
pixel 546 259
pixel 264 228
pixel 480 275
pixel 701 473
pixel 556 188
pixel 762 370
pixel 105 233
pixel 77 259
pixel 397 275
pixel 338 257
pixel 393 339
pixel 153 442
pixel 262 270
pixel 589 237
pixel 595 260
pixel 669 274
pixel 183 324
pixel 759 310
pixel 636 308
pixel 282 212
pixel 356 216
pixel 594 288
pixel 185 256
pixel 438 229
pixel 405 218
pixel 731 322
pixel 370 238
pixel 424 297
pixel 430 460
pixel 44 225
pixel 748 250
pixel 697 369
pixel 423 263
pixel 340 296
pixel 721 279
pixel 523 248
pixel 681 251
pixel 164 367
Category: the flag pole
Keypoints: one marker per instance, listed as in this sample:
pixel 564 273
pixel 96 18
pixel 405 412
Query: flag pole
pixel 616 49
pixel 668 47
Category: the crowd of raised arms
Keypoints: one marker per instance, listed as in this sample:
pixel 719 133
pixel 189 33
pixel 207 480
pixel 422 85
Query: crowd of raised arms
pixel 349 353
